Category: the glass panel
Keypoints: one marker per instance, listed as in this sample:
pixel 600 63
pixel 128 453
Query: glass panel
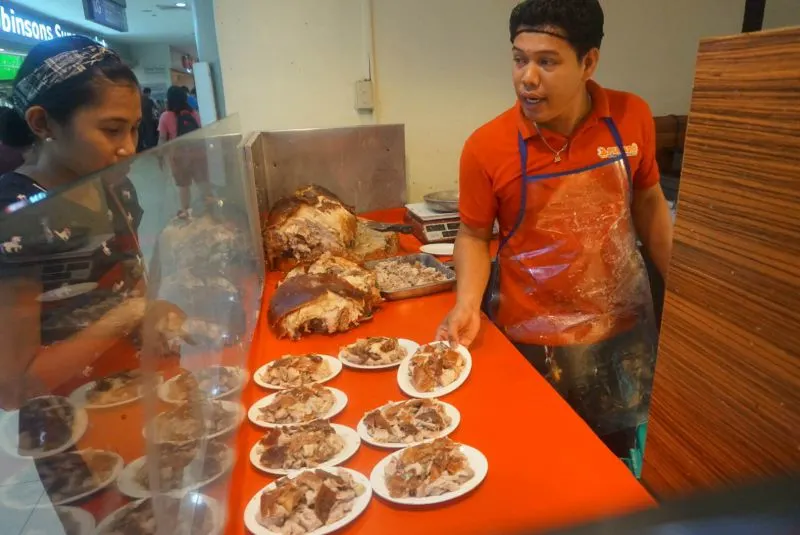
pixel 128 302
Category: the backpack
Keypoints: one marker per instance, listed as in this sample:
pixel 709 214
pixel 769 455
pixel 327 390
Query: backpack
pixel 186 123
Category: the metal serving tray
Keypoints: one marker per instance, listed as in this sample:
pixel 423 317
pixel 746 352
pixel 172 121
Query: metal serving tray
pixel 418 291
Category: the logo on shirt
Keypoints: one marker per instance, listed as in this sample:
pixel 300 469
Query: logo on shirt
pixel 607 153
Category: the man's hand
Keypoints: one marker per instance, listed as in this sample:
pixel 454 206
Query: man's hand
pixel 460 327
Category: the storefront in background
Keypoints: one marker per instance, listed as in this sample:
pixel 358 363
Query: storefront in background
pixel 20 30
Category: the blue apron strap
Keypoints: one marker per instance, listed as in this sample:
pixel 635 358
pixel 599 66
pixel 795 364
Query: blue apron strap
pixel 612 126
pixel 523 160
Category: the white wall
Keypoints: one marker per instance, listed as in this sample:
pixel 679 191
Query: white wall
pixel 781 13
pixel 442 67
pixel 151 65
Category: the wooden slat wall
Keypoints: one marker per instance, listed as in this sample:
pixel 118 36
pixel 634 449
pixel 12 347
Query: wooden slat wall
pixel 726 399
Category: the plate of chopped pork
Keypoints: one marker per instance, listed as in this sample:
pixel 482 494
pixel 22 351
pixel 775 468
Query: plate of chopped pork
pixel 297 406
pixel 42 427
pixel 377 353
pixel 63 478
pixel 435 370
pixel 311 502
pixel 315 445
pixel 407 423
pixel 112 391
pixel 214 382
pixel 195 420
pixel 292 371
pixel 179 468
pixel 430 473
pixel 192 514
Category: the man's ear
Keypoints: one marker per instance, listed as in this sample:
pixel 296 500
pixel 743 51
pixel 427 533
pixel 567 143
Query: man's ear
pixel 590 62
pixel 39 122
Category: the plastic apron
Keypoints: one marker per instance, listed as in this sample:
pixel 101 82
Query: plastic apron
pixel 570 281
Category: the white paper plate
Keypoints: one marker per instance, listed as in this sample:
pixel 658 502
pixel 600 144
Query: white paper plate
pixel 228 406
pixel 11 494
pixel 44 520
pixel 408 345
pixel 9 436
pixel 450 410
pixel 439 249
pixel 254 412
pixel 163 388
pixel 477 460
pixel 191 500
pixel 405 382
pixel 351 444
pixel 334 364
pixel 66 292
pixel 128 486
pixel 253 508
pixel 79 396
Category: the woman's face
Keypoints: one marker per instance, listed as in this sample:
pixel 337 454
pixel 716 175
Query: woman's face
pixel 101 134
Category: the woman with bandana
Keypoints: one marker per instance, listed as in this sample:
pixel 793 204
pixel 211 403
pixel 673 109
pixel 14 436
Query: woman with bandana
pixel 78 107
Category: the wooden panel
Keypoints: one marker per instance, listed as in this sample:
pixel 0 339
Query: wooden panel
pixel 726 399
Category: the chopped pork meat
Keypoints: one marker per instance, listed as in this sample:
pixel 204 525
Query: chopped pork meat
pixel 407 422
pixel 376 351
pixel 395 275
pixel 308 502
pixel 170 515
pixel 293 448
pixel 435 366
pixel 430 469
pixel 293 371
pixel 192 421
pixel 180 466
pixel 299 405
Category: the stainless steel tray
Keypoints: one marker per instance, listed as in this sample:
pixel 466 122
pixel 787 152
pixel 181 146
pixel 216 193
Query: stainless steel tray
pixel 418 291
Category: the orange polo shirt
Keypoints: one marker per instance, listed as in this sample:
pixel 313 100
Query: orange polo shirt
pixel 490 173
pixel 491 184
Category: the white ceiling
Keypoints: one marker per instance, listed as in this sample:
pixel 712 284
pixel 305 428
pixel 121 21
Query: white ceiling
pixel 146 22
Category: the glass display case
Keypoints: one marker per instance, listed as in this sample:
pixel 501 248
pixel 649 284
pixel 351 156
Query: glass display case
pixel 128 302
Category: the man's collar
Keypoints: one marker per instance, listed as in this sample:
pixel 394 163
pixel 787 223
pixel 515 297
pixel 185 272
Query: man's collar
pixel 600 109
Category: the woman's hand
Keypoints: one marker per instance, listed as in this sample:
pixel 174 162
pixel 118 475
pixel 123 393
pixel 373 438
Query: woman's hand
pixel 461 326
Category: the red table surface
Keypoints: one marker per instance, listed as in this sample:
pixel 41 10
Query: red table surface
pixel 546 467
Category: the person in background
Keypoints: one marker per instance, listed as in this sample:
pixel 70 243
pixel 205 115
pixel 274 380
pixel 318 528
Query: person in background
pixel 148 129
pixel 188 166
pixel 13 148
pixel 193 99
pixel 570 174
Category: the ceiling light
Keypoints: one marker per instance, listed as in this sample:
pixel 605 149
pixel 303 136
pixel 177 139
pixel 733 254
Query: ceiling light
pixel 180 4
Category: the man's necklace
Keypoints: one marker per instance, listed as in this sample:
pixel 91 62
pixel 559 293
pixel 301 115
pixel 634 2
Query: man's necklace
pixel 557 153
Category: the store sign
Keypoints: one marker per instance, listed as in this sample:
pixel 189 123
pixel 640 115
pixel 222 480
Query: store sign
pixel 106 13
pixel 20 26
pixel 9 65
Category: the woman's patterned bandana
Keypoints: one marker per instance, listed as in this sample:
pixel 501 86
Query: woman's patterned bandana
pixel 55 70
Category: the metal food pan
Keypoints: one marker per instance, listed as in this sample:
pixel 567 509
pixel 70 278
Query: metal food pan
pixel 418 291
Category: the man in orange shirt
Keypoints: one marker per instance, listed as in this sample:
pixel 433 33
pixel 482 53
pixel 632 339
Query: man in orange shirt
pixel 570 174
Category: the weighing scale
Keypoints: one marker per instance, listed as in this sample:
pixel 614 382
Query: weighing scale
pixel 432 227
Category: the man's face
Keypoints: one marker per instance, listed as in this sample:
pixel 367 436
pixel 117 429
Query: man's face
pixel 548 76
